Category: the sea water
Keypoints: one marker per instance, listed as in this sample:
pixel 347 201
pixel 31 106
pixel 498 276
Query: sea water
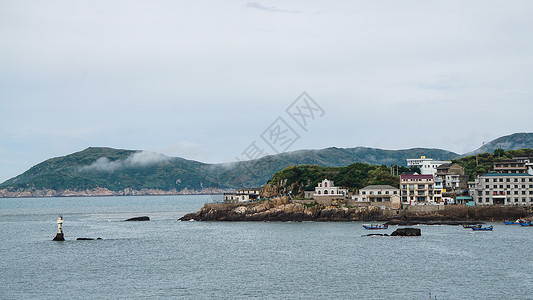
pixel 166 258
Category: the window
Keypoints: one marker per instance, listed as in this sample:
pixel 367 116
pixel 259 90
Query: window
pixel 395 192
pixel 508 186
pixel 516 192
pixel 501 179
pixel 523 186
pixel 508 192
pixel 516 200
pixel 508 180
pixel 516 186
pixel 495 186
pixel 487 200
pixel 523 192
pixel 371 192
pixel 386 192
pixel 523 180
pixel 379 192
pixel 501 186
pixel 487 193
pixel 516 180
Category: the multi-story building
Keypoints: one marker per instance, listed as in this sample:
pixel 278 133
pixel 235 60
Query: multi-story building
pixel 510 166
pixel 453 176
pixel 242 195
pixel 503 189
pixel 427 166
pixel 528 160
pixel 417 189
pixel 378 195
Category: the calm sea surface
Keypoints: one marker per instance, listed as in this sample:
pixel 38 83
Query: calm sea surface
pixel 165 258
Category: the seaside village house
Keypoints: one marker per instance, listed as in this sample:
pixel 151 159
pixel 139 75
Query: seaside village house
pixel 326 192
pixel 242 195
pixel 383 196
pixel 450 178
pixel 510 183
pixel 419 189
pixel 504 189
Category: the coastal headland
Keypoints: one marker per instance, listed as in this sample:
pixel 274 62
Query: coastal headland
pixel 284 209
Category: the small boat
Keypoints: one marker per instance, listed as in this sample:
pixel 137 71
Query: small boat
pixel 517 222
pixel 527 224
pixel 471 226
pixel 375 226
pixel 482 228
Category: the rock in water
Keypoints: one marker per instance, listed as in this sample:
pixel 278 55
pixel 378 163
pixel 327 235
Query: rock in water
pixel 145 218
pixel 59 237
pixel 407 232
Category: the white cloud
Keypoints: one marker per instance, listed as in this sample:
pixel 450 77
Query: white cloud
pixel 137 159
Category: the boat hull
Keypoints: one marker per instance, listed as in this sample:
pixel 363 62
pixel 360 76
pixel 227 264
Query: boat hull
pixel 375 227
pixel 482 228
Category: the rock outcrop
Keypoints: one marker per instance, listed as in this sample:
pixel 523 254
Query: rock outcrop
pixel 280 209
pixel 143 218
pixel 283 209
pixel 407 232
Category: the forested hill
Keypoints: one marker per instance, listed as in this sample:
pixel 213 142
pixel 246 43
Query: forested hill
pixel 120 172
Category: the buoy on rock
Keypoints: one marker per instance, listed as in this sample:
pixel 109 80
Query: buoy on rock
pixel 59 236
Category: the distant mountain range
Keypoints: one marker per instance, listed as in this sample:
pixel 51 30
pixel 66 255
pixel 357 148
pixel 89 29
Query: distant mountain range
pixel 515 141
pixel 106 171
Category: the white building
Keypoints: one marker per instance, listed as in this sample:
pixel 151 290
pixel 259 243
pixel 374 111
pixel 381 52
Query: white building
pixel 242 195
pixel 503 189
pixel 378 195
pixel 328 188
pixel 427 166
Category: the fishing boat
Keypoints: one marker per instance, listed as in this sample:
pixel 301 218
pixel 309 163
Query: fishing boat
pixel 482 228
pixel 471 226
pixel 375 226
pixel 517 222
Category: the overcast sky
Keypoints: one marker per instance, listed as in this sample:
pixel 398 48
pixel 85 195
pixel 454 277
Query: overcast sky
pixel 204 79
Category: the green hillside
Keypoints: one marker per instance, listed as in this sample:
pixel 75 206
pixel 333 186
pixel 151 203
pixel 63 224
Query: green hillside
pixel 117 170
pixel 484 162
pixel 113 169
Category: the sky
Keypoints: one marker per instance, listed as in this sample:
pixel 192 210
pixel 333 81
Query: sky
pixel 211 80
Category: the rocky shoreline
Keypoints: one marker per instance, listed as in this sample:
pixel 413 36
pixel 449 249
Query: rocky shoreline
pixel 283 209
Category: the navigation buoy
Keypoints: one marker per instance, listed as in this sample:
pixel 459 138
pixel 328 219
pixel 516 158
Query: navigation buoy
pixel 59 236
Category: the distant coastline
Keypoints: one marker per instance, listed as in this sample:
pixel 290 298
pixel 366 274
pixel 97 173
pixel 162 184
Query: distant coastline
pixel 103 192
